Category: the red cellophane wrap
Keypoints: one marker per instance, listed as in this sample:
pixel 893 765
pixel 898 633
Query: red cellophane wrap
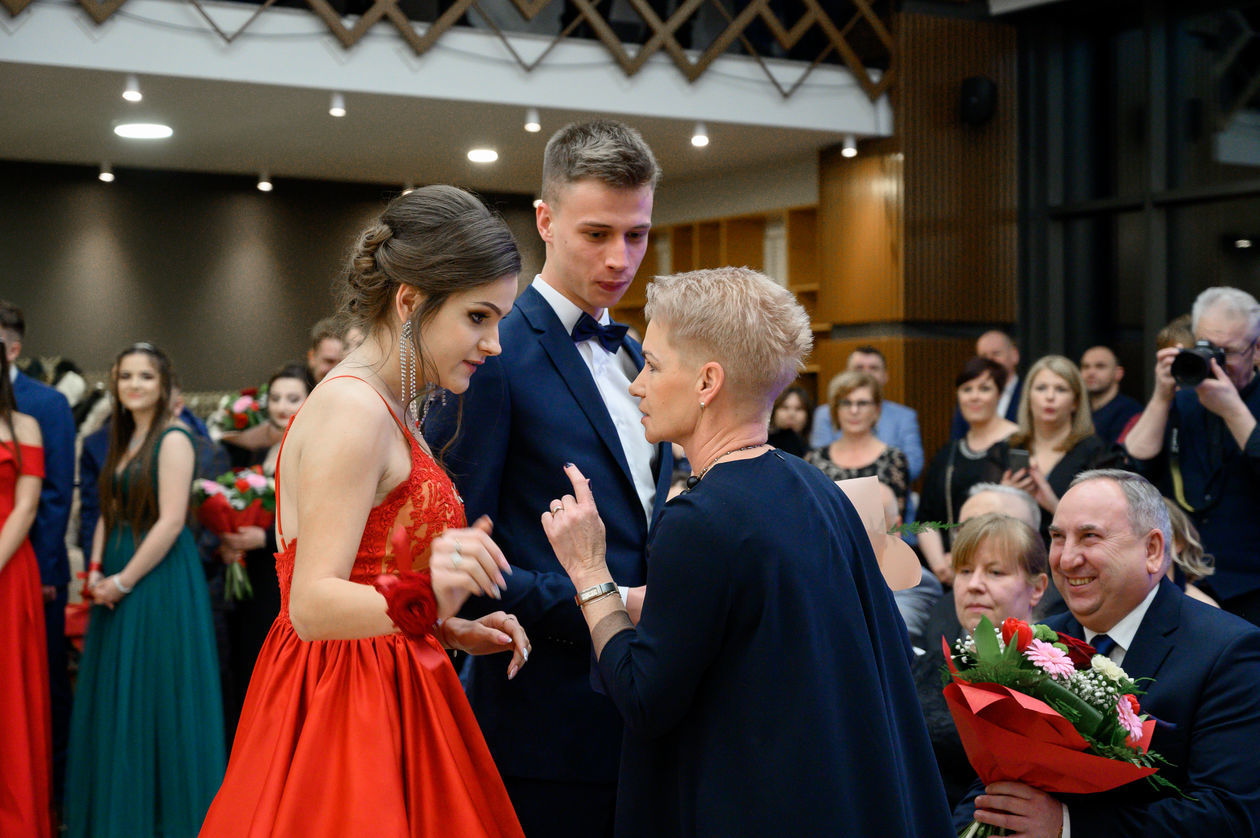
pixel 1009 735
pixel 218 516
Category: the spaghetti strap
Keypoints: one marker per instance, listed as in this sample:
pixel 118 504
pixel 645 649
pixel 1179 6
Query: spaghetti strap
pixel 279 527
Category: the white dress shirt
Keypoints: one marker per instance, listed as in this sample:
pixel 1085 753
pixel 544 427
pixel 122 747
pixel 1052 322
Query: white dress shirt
pixel 612 374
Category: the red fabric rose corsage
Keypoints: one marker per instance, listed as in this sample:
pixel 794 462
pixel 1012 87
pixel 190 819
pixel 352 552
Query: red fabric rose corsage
pixel 409 601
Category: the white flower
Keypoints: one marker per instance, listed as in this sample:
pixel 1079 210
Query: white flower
pixel 1106 666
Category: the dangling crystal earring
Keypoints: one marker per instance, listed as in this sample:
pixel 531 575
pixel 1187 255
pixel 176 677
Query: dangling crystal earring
pixel 407 367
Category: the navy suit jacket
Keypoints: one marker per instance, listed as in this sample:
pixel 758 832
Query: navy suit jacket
pixel 56 424
pixel 91 461
pixel 1206 667
pixel 527 412
pixel 958 426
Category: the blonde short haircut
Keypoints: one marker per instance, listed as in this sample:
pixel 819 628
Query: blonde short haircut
pixel 1082 419
pixel 845 383
pixel 739 318
pixel 1014 540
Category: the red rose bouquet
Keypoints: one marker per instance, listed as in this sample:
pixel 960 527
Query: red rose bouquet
pixel 236 413
pixel 235 499
pixel 1038 707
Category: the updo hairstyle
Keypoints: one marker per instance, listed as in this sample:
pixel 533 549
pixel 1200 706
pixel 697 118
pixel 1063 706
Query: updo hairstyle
pixel 440 240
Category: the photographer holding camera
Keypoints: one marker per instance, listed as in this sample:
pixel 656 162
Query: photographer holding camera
pixel 1198 441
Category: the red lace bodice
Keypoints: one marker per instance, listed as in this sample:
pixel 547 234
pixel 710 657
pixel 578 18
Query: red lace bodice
pixel 425 505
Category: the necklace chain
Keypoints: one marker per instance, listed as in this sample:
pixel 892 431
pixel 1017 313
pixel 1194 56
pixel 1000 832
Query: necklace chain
pixel 696 478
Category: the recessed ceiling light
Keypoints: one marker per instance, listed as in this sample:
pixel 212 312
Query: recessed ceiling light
pixel 537 203
pixel 106 174
pixel 408 188
pixel 337 106
pixel 143 130
pixel 264 182
pixel 700 136
pixel 483 155
pixel 132 92
pixel 532 123
pixel 849 149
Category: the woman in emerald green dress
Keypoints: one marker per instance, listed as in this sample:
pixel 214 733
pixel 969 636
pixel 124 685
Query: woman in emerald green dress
pixel 146 736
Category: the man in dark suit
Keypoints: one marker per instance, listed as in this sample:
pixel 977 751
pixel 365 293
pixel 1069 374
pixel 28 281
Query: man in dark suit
pixel 1109 554
pixel 48 534
pixel 1000 348
pixel 560 393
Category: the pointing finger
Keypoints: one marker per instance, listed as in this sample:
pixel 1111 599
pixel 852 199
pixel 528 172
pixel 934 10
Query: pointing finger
pixel 581 485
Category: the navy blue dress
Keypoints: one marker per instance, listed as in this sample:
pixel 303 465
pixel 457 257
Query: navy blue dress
pixel 767 687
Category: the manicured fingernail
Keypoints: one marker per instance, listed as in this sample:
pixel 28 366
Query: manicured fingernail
pixel 512 671
pixel 495 592
pixel 525 656
pixel 568 465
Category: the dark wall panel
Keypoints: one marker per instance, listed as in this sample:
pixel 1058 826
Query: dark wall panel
pixel 225 278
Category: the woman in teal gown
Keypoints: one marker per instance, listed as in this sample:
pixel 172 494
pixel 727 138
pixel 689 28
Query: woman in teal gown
pixel 146 735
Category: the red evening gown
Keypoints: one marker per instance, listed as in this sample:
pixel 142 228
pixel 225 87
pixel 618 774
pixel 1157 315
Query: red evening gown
pixel 370 737
pixel 25 708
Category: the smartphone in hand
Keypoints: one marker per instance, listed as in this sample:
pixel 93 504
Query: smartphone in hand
pixel 1016 458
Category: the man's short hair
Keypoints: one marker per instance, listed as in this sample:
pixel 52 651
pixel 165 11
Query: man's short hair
pixel 605 150
pixel 1146 505
pixel 327 328
pixel 1232 301
pixel 1032 512
pixel 11 319
pixel 867 349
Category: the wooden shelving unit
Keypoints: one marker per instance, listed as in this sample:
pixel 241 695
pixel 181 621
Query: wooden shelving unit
pixel 738 241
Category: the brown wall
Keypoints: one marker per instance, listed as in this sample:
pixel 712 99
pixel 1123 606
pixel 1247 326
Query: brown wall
pixel 225 278
pixel 918 233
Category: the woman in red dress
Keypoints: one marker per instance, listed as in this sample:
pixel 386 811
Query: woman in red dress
pixel 26 726
pixel 355 722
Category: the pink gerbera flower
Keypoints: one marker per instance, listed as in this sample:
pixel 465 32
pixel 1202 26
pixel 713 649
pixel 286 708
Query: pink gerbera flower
pixel 1049 658
pixel 1129 719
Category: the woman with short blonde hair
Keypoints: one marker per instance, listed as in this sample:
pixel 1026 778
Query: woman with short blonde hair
pixel 754 571
pixel 856 399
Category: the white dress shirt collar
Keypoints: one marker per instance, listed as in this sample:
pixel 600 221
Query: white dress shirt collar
pixel 564 308
pixel 1124 631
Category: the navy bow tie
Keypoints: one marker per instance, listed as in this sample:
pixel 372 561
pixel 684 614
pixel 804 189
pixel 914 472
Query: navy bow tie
pixel 610 337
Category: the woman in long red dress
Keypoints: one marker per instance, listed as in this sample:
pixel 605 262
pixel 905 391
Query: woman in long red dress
pixel 25 720
pixel 355 722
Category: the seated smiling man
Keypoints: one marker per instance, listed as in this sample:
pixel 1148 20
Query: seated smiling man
pixel 1108 555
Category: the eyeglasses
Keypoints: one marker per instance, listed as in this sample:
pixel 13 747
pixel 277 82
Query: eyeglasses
pixel 860 404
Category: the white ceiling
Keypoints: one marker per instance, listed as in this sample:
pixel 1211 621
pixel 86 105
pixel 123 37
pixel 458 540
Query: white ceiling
pixel 65 115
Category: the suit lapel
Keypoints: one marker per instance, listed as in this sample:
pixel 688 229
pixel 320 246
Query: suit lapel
pixel 573 371
pixel 1153 640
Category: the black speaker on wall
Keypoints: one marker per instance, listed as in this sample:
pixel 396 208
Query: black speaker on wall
pixel 977 100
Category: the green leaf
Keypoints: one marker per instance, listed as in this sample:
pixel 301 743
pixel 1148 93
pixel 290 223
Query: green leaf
pixel 987 650
pixel 1074 708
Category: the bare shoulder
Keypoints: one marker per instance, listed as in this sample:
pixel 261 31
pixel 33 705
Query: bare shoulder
pixel 176 445
pixel 26 429
pixel 347 416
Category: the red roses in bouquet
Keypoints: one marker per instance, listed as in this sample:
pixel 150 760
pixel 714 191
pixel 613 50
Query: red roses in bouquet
pixel 1035 706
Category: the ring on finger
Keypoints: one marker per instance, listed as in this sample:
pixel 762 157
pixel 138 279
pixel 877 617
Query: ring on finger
pixel 455 555
pixel 557 509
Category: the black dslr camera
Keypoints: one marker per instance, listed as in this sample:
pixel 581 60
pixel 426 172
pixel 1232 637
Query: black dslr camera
pixel 1193 365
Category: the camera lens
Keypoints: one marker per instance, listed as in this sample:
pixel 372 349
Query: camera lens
pixel 1189 368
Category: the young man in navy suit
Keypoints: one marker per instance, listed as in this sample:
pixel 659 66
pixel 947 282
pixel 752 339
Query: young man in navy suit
pixel 560 393
pixel 48 534
pixel 1109 555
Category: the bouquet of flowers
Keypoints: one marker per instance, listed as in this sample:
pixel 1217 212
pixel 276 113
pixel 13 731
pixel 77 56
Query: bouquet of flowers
pixel 237 413
pixel 1036 706
pixel 235 499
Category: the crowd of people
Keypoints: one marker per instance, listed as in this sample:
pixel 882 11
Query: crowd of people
pixel 667 619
